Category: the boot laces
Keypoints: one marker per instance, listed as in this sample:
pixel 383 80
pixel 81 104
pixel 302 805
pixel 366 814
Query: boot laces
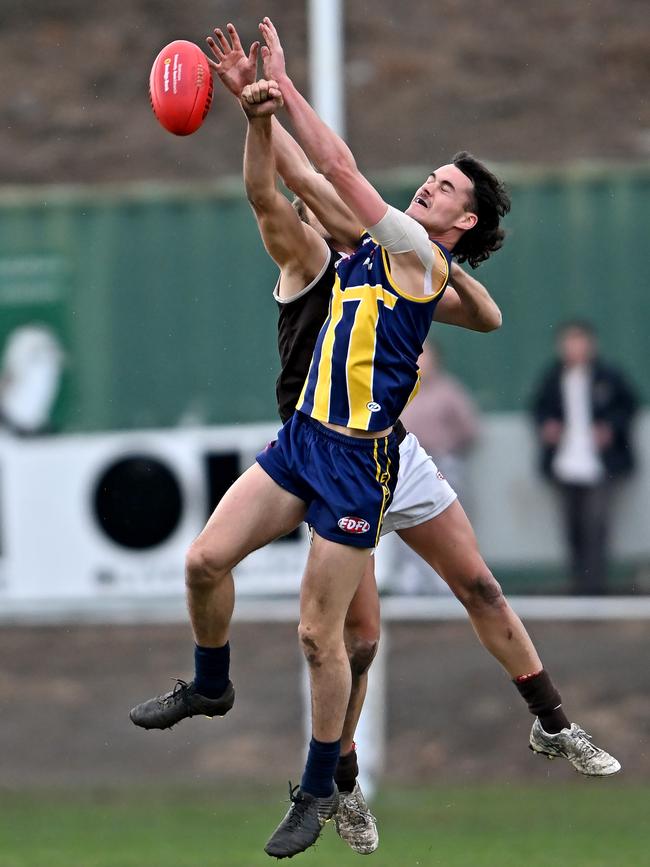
pixel 361 816
pixel 298 809
pixel 178 693
pixel 583 741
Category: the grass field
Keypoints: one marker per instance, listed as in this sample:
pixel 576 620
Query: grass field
pixel 588 824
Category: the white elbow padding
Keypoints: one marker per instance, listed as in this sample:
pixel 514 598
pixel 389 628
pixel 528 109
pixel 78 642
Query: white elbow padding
pixel 398 233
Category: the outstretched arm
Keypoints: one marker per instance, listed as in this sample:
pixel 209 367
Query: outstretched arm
pixel 314 189
pixel 467 303
pixel 296 248
pixel 235 69
pixel 325 149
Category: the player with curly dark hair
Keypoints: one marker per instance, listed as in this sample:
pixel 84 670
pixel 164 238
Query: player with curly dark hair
pixel 490 201
pixel 402 258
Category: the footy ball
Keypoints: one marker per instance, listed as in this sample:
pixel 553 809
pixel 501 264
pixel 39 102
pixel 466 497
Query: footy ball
pixel 180 87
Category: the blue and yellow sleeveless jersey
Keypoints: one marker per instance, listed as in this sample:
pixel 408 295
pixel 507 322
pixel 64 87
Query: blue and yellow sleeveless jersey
pixel 364 369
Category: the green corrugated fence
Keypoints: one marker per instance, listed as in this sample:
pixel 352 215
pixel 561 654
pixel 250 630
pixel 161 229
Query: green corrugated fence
pixel 162 300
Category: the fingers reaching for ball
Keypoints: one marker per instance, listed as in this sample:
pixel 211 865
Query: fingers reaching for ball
pixel 272 52
pixel 232 65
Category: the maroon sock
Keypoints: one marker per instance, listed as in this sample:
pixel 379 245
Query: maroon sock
pixel 347 771
pixel 543 700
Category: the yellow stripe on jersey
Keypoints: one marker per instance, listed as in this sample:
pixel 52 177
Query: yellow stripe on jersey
pixel 365 365
pixel 359 362
pixel 324 381
pixel 416 388
pixel 384 478
pixel 439 276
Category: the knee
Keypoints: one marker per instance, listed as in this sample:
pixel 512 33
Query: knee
pixel 479 591
pixel 203 566
pixel 361 652
pixel 361 634
pixel 317 645
pixel 311 645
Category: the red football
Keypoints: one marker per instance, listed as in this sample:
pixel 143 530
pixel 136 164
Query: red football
pixel 180 87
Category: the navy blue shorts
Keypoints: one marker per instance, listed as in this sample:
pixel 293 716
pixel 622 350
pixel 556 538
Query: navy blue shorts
pixel 346 482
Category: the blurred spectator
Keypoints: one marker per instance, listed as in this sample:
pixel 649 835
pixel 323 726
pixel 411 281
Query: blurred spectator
pixel 583 409
pixel 444 418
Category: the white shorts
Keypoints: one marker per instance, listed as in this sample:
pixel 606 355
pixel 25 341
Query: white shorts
pixel 422 491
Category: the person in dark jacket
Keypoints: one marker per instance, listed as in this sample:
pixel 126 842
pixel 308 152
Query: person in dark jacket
pixel 583 409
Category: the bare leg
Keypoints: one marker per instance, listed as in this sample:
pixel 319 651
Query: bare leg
pixel 448 544
pixel 361 640
pixel 330 581
pixel 253 512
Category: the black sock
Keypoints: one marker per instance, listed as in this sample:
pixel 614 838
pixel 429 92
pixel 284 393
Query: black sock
pixel 543 701
pixel 347 771
pixel 211 667
pixel 318 778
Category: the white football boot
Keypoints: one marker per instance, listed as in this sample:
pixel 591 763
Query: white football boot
pixel 574 744
pixel 355 823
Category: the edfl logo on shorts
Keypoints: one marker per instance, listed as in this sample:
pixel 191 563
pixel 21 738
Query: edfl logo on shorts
pixel 373 406
pixel 353 525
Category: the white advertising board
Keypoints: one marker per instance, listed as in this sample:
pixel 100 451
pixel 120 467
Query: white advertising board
pixel 61 544
pixel 101 516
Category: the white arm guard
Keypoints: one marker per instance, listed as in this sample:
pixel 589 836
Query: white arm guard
pixel 398 233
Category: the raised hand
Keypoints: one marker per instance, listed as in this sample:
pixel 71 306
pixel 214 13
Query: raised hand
pixel 272 53
pixel 234 68
pixel 261 99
